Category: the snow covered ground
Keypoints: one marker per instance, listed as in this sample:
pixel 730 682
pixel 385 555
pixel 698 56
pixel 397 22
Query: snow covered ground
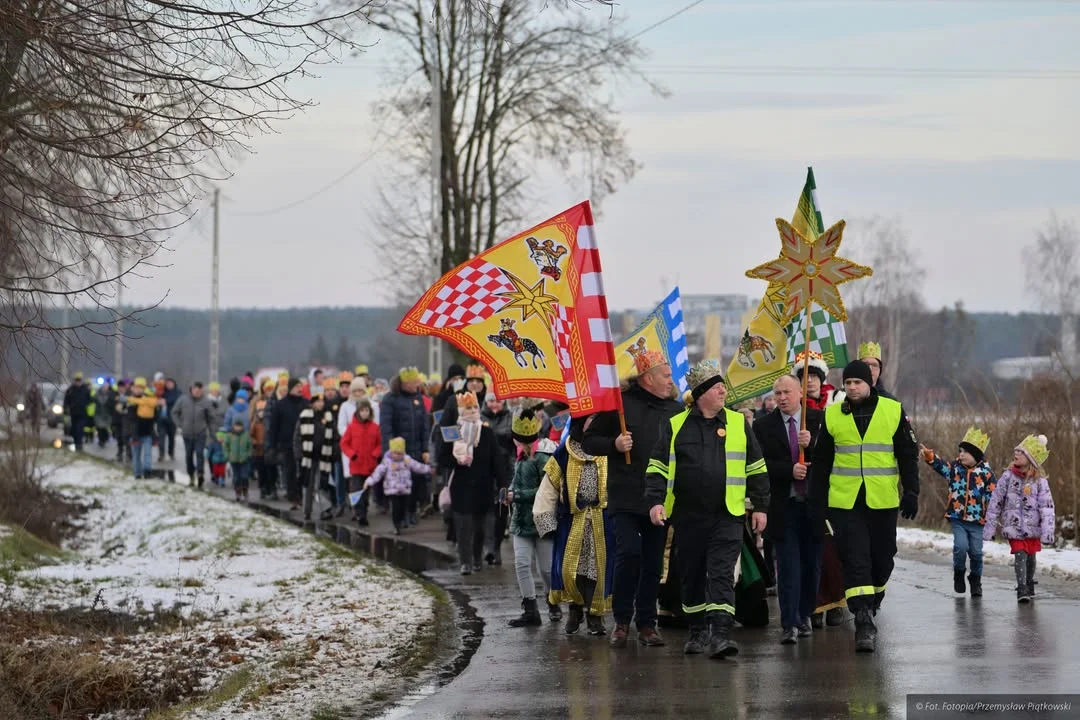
pixel 307 622
pixel 1061 563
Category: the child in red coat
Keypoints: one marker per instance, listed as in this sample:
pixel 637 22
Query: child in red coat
pixel 362 445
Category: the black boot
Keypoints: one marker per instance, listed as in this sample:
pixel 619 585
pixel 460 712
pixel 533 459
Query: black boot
pixel 554 613
pixel 530 615
pixel 720 643
pixel 574 618
pixel 865 631
pixel 595 624
pixel 1031 575
pixel 834 617
pixel 697 642
pixel 975 582
pixel 1020 564
pixel 958 581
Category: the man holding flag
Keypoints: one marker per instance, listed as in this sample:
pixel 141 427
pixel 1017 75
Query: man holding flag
pixel 648 403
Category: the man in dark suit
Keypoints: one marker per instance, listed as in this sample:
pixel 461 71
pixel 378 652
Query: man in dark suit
pixel 795 531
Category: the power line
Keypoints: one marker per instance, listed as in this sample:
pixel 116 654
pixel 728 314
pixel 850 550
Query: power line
pixel 367 158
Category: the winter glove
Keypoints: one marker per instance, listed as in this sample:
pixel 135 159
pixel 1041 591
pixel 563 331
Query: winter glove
pixel 909 506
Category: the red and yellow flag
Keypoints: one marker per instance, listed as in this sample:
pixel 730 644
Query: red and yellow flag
pixel 532 310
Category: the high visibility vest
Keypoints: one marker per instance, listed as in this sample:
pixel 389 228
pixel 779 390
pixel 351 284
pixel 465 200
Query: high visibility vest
pixel 734 460
pixel 869 459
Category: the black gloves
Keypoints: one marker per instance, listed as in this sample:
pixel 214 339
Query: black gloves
pixel 909 506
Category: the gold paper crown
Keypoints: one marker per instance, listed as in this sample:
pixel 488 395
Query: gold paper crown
pixel 345 377
pixel 703 371
pixel 397 445
pixel 434 378
pixel 361 369
pixel 141 382
pixel 408 374
pixel 645 359
pixel 526 424
pixel 284 375
pixel 422 378
pixel 474 371
pixel 976 437
pixel 1034 446
pixel 870 350
pixel 467 401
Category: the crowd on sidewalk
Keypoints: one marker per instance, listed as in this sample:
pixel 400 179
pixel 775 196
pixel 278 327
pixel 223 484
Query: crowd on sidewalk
pixel 683 508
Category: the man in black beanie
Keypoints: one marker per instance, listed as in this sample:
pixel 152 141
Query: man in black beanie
pixel 865 448
pixel 283 420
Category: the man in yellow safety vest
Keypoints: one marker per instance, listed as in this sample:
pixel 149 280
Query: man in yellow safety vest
pixel 866 447
pixel 719 465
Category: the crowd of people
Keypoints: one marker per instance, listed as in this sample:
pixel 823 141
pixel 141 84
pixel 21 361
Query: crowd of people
pixel 658 513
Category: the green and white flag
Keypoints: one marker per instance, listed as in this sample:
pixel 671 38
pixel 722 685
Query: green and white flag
pixel 827 336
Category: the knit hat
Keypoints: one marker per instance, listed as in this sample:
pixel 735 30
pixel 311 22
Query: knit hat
pixel 140 382
pixel 490 397
pixel 817 363
pixel 645 359
pixel 858 370
pixel 704 376
pixel 242 395
pixel 357 383
pixel 397 444
pixel 1034 446
pixel 362 369
pixel 455 370
pixel 293 382
pixel 870 350
pixel 408 374
pixel 975 442
pixel 214 386
pixel 526 427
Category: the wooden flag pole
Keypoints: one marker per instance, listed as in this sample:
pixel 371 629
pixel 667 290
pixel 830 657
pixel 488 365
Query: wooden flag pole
pixel 622 427
pixel 805 377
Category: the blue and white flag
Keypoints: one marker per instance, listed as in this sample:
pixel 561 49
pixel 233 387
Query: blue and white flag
pixel 662 329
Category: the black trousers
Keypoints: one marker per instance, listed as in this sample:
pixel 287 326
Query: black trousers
pixel 639 564
pixel 866 542
pixel 290 476
pixel 469 528
pixel 709 546
pixel 399 504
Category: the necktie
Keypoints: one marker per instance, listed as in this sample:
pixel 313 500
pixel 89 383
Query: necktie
pixel 793 443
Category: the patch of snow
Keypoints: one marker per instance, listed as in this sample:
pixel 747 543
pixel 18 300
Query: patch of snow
pixel 1056 562
pixel 254 591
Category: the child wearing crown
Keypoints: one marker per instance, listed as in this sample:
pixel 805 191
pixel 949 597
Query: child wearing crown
pixel 1023 504
pixel 971 483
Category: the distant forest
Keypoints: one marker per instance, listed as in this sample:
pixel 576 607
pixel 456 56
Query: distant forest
pixel 176 341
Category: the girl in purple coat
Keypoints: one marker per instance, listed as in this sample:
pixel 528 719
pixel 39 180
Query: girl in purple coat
pixel 395 473
pixel 1023 504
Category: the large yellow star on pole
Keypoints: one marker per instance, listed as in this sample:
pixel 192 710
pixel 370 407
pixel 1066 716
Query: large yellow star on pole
pixel 810 271
pixel 530 300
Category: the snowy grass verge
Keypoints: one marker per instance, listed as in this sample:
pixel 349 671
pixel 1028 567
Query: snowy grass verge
pixel 262 619
pixel 1055 562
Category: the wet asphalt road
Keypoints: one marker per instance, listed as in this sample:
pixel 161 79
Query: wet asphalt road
pixel 929 641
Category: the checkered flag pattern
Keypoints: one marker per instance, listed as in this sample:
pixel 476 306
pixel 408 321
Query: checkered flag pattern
pixel 827 336
pixel 470 296
pixel 561 325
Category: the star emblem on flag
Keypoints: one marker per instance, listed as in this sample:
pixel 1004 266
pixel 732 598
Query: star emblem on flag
pixel 530 300
pixel 811 271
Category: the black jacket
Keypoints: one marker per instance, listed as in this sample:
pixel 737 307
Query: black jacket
pixel 772 436
pixel 701 470
pixel 283 423
pixel 501 424
pixel 472 488
pixel 905 447
pixel 403 415
pixel 77 399
pixel 645 416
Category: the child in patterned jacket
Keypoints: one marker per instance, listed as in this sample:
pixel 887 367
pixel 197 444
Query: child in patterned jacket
pixel 1023 503
pixel 395 473
pixel 971 483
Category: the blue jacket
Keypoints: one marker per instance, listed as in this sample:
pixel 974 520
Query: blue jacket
pixel 403 415
pixel 239 410
pixel 969 489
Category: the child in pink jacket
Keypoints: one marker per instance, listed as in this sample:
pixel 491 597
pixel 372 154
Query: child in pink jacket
pixel 395 473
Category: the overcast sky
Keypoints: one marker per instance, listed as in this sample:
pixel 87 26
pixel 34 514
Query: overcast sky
pixel 970 166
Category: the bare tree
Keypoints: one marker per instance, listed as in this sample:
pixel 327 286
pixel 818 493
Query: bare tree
pixel 528 90
pixel 1052 265
pixel 112 114
pixel 888 306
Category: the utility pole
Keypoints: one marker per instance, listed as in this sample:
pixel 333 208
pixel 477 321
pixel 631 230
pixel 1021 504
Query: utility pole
pixel 215 321
pixel 118 346
pixel 434 344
